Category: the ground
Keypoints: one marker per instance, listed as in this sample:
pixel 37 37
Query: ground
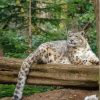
pixel 61 94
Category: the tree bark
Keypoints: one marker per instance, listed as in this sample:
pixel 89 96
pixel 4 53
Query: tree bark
pixel 48 74
pixel 30 26
pixel 97 11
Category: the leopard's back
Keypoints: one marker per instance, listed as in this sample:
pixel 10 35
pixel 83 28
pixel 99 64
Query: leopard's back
pixel 53 52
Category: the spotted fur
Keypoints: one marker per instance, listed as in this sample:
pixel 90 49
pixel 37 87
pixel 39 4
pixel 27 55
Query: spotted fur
pixel 79 51
pixel 74 50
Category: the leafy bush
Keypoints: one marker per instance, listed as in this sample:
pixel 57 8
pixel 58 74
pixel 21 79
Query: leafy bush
pixel 13 44
pixel 7 90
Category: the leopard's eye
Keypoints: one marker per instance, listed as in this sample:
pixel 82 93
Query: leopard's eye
pixel 76 36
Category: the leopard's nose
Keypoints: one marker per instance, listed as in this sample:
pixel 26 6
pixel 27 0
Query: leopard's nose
pixel 71 40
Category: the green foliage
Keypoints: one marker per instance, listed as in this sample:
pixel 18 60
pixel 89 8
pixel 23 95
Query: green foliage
pixel 92 39
pixel 64 14
pixel 13 44
pixel 82 11
pixel 7 90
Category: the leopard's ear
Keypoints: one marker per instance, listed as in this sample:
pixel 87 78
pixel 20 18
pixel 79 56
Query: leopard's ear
pixel 84 35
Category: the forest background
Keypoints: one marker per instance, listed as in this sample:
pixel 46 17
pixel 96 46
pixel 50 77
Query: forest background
pixel 49 20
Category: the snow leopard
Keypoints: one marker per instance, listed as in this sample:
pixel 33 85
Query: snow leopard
pixel 75 50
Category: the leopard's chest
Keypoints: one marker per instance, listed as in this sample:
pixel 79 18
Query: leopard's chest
pixel 78 56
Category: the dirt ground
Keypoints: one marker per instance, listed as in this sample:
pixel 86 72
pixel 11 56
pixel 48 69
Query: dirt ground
pixel 61 94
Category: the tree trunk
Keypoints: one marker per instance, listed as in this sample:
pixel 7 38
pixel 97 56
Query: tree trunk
pixel 30 27
pixel 97 11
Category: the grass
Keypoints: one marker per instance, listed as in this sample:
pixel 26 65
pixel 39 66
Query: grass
pixel 7 90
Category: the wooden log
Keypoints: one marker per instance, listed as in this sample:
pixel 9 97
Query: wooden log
pixel 50 74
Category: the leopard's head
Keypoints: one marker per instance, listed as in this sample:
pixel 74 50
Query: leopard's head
pixel 77 39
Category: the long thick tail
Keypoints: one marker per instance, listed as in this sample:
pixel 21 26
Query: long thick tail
pixel 22 76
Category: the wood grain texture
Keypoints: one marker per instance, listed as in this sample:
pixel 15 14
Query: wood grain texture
pixel 48 74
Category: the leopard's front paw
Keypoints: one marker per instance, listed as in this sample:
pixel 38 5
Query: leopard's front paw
pixel 95 62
